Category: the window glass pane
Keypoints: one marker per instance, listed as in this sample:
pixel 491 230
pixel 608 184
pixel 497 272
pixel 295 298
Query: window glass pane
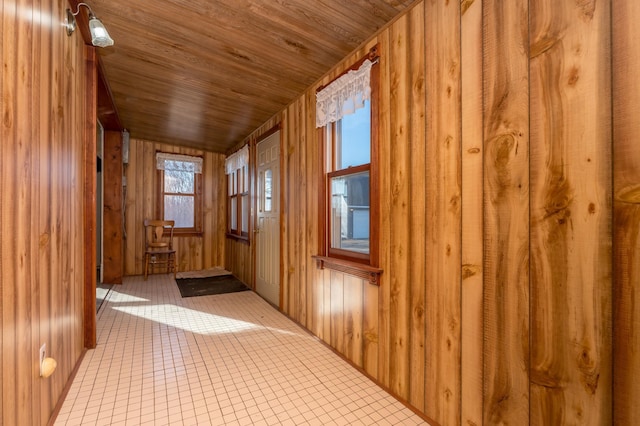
pixel 245 179
pixel 234 213
pixel 353 139
pixel 350 212
pixel 245 214
pixel 181 209
pixel 179 182
pixel 268 177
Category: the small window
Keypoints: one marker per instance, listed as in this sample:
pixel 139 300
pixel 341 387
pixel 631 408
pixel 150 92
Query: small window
pixel 180 196
pixel 349 139
pixel 237 167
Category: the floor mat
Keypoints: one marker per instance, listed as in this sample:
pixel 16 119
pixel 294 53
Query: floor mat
pixel 190 287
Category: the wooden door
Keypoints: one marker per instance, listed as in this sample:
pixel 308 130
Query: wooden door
pixel 267 231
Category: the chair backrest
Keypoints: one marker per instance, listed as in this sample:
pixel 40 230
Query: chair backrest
pixel 158 234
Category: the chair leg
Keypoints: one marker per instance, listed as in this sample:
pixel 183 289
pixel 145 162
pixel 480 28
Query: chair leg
pixel 173 265
pixel 146 266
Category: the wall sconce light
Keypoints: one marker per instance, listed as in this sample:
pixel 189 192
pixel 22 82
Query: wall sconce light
pixel 99 35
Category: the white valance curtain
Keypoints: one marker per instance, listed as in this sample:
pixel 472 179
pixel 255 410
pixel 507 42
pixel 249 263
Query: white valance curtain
pixel 177 162
pixel 344 95
pixel 237 160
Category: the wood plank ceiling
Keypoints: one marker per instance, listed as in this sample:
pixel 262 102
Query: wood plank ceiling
pixel 206 73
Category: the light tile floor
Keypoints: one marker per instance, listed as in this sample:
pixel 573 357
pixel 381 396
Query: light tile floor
pixel 229 359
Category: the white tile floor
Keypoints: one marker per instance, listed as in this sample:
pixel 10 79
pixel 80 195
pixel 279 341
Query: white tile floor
pixel 229 359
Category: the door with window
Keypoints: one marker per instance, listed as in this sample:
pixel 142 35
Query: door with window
pixel 267 231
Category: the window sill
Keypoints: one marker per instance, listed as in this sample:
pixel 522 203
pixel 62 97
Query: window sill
pixel 237 237
pixel 365 272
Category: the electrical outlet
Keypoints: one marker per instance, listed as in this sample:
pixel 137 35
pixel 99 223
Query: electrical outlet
pixel 43 355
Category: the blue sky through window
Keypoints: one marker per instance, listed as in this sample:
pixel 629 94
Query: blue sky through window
pixel 356 137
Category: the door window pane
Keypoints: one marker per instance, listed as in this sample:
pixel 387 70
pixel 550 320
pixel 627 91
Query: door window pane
pixel 268 195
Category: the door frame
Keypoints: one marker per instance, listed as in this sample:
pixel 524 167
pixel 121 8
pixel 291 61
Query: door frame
pixel 90 178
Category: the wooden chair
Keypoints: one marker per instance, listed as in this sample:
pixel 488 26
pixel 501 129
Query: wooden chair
pixel 159 245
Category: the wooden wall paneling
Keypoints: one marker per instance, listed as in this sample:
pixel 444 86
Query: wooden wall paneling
pixel 370 330
pixel 337 311
pixel 112 217
pixel 416 193
pixel 400 119
pixel 472 213
pixel 506 214
pixel 215 191
pixel 326 317
pixel 570 213
pixel 209 189
pixel 16 329
pixel 353 293
pixel 3 183
pixel 57 207
pixel 39 170
pixel 443 345
pixel 318 303
pixel 130 173
pixel 311 198
pixel 384 221
pixel 88 216
pixel 42 248
pixel 288 191
pixel 148 180
pixel 626 221
pixel 301 199
pixel 42 169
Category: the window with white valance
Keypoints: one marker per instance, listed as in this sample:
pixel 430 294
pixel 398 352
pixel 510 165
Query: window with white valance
pixel 344 95
pixel 237 160
pixel 346 110
pixel 178 163
pixel 180 191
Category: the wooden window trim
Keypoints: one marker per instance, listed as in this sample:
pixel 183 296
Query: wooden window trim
pixel 237 234
pixel 196 231
pixel 362 266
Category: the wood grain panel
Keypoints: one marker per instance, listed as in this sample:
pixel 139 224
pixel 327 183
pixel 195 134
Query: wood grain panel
pixel 626 221
pixel 353 318
pixel 384 220
pixel 472 213
pixel 506 214
pixel 42 248
pixel 141 197
pixel 400 180
pixel 370 331
pixel 443 204
pixel 314 190
pixel 416 195
pixel 113 260
pixel 336 291
pixel 570 213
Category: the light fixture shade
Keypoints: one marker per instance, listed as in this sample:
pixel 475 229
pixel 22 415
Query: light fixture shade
pixel 99 35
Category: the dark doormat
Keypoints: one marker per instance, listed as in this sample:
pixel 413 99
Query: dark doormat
pixel 190 287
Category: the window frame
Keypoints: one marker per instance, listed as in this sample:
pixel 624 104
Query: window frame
pixel 239 176
pixel 327 136
pixel 196 230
